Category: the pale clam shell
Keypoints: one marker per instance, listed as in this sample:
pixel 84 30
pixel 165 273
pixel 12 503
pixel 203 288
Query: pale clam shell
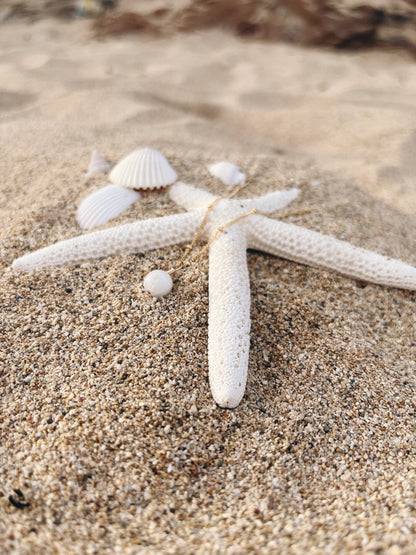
pixel 98 164
pixel 227 172
pixel 143 169
pixel 103 205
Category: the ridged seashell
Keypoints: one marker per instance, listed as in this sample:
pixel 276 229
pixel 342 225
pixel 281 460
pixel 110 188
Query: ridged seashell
pixel 104 204
pixel 143 169
pixel 228 173
pixel 98 164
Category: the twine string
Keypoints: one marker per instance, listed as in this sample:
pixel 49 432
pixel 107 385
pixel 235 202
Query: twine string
pixel 189 248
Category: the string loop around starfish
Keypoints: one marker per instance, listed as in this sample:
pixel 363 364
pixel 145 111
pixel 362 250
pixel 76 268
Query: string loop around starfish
pixel 181 263
pixel 190 247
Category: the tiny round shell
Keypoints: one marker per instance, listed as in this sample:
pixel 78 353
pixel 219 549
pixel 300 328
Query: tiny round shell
pixel 143 169
pixel 228 173
pixel 158 283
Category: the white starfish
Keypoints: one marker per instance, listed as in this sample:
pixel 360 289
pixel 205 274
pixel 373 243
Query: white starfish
pixel 229 289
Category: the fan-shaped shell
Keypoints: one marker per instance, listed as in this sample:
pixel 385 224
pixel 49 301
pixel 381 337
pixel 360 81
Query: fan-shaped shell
pixel 228 173
pixel 143 169
pixel 104 204
pixel 98 164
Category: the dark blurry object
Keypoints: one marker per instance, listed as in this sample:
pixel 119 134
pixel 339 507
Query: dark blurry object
pixel 18 500
pixel 38 9
pixel 342 24
pixel 350 23
pixel 121 23
pixel 93 8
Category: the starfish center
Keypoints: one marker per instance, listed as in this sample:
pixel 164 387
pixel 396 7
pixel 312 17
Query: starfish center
pixel 224 212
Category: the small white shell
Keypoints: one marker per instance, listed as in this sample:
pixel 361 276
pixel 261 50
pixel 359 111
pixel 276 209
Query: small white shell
pixel 98 164
pixel 228 173
pixel 143 169
pixel 104 204
pixel 158 283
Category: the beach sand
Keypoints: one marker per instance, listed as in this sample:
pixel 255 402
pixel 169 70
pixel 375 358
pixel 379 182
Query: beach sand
pixel 110 439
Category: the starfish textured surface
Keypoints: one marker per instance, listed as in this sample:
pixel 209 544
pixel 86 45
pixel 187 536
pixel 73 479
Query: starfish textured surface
pixel 136 237
pixel 230 231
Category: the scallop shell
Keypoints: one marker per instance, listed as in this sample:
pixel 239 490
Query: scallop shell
pixel 228 173
pixel 143 169
pixel 104 204
pixel 98 164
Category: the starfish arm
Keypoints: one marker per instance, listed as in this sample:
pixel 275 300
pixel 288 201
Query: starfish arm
pixel 136 237
pixel 313 248
pixel 271 202
pixel 229 317
pixel 190 197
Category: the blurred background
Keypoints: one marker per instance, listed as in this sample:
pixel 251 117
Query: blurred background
pixel 321 82
pixel 340 24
